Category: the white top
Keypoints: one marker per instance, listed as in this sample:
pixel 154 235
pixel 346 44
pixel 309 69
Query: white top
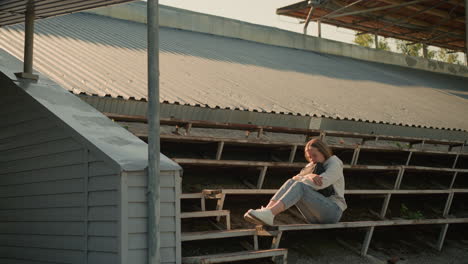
pixel 333 175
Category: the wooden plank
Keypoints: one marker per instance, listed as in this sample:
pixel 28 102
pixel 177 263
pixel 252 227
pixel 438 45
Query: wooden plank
pixel 103 228
pixel 305 131
pixel 189 236
pixel 243 163
pixel 177 222
pixel 43 201
pixel 369 224
pixel 32 138
pixel 362 191
pixel 138 194
pixel 41 149
pixel 42 162
pixel 441 239
pixel 168 255
pixel 219 206
pixel 103 244
pixel 43 228
pixel 293 145
pixel 367 239
pixel 23 116
pixel 43 175
pixel 43 215
pixel 191 196
pixel 292 154
pixel 102 198
pixel 220 150
pixel 104 183
pixel 42 254
pixel 44 241
pixel 140 179
pixel 235 256
pixel 103 213
pixel 198 214
pixel 26 127
pixel 96 257
pixel 43 188
pixel 139 225
pixel 139 241
pixel 140 209
pixel 261 178
pixel 101 168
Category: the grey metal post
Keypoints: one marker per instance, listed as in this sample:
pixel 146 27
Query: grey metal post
pixel 154 207
pixel 376 41
pixel 28 44
pixel 319 28
pixel 309 15
pixel 466 31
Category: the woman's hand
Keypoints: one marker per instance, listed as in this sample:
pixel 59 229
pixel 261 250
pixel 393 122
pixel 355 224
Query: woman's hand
pixel 317 179
pixel 297 178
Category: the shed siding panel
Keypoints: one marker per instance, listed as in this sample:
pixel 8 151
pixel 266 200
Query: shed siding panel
pixel 137 217
pixel 49 188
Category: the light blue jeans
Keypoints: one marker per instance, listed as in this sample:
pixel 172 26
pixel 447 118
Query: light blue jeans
pixel 315 207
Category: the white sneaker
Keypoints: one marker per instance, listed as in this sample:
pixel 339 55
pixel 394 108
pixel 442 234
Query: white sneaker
pixel 262 216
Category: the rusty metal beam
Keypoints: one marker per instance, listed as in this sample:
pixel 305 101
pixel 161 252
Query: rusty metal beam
pixel 369 10
pixel 407 19
pixel 417 8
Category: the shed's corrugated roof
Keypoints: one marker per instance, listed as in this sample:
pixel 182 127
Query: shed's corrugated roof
pixel 12 11
pixel 104 135
pixel 102 56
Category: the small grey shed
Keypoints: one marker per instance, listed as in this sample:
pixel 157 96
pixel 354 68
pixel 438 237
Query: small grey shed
pixel 73 182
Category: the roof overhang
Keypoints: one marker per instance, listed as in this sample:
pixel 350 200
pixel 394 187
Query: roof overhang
pixel 13 11
pixel 439 23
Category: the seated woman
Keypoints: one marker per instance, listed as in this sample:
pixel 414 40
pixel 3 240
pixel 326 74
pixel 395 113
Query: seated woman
pixel 305 190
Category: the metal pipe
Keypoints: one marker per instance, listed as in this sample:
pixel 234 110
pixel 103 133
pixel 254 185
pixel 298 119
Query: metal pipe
pixel 340 9
pixel 153 190
pixel 29 40
pixel 319 27
pixel 29 18
pixel 466 31
pixel 372 9
pixel 309 15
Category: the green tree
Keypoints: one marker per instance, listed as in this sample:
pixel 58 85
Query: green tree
pixel 368 40
pixel 446 56
pixel 411 50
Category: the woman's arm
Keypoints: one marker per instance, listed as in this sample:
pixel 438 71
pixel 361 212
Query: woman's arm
pixel 331 175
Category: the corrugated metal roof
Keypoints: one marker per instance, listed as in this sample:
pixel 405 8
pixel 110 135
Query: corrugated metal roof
pixel 103 56
pixel 12 11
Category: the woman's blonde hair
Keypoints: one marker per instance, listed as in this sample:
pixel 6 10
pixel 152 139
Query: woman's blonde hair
pixel 320 145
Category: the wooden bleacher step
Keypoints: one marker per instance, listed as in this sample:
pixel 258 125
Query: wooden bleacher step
pixel 280 254
pixel 217 213
pixel 216 234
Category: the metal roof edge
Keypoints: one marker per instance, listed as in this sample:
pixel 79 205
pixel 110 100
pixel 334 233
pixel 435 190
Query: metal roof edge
pixel 282 113
pixel 178 18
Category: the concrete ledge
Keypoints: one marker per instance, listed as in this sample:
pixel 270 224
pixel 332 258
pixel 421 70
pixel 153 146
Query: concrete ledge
pixel 132 107
pixel 192 21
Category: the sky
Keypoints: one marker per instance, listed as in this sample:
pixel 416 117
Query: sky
pixel 261 12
